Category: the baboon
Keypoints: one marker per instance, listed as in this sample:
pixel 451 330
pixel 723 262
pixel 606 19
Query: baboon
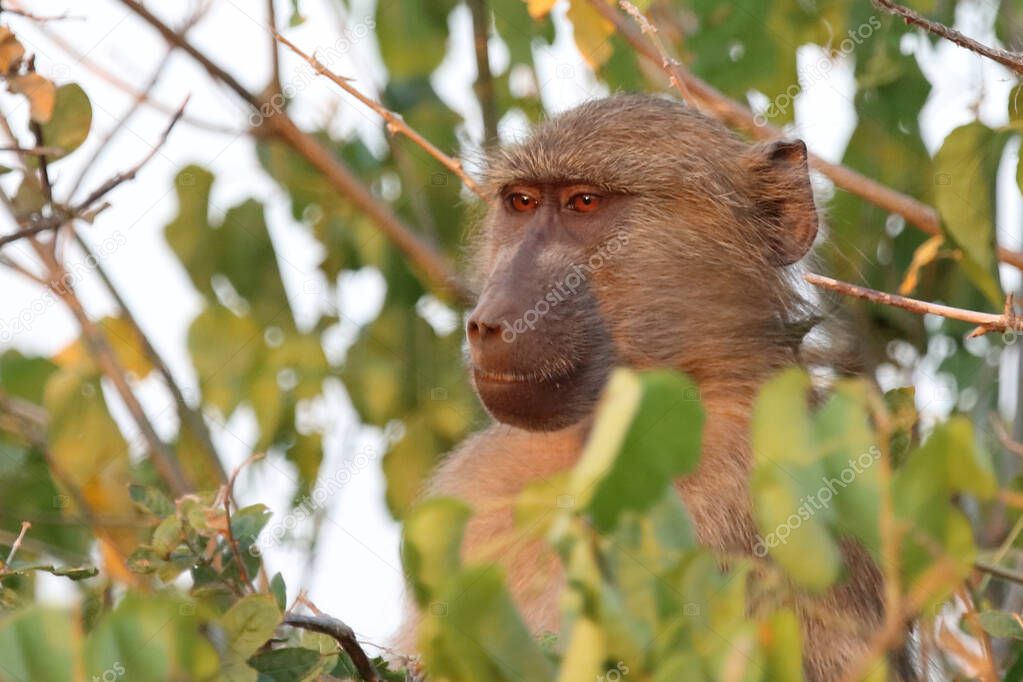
pixel 696 231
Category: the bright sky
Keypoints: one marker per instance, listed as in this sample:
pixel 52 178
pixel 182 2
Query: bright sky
pixel 356 575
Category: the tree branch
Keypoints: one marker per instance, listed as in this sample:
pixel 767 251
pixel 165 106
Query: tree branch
pixel 344 635
pixel 714 103
pixel 484 85
pixel 395 124
pixel 986 322
pixel 1010 60
pixel 243 572
pixel 423 256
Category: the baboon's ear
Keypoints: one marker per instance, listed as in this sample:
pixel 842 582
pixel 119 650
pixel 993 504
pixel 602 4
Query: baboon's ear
pixel 784 199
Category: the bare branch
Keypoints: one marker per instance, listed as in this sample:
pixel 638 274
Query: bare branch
pixel 344 635
pixel 714 103
pixel 1010 60
pixel 115 129
pixel 25 525
pixel 986 322
pixel 125 176
pixel 275 51
pixel 423 256
pixel 16 10
pixel 33 151
pixel 243 573
pixel 999 572
pixel 395 124
pixel 62 215
pixel 484 85
pixel 38 228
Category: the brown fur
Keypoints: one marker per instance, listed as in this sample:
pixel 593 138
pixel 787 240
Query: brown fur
pixel 702 286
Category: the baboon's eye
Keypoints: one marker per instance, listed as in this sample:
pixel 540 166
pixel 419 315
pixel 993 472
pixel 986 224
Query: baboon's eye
pixel 585 203
pixel 523 203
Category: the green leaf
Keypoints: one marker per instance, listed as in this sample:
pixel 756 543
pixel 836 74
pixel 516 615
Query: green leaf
pixel 790 532
pixel 151 499
pixel 781 429
pixel 964 173
pixel 250 623
pixel 279 591
pixel 1001 624
pixel 285 665
pixel 225 350
pixel 71 121
pixel 783 646
pixel 647 432
pixel 584 656
pixel 167 536
pixel 38 644
pixel 70 572
pixel 473 632
pixel 432 544
pixel 1016 107
pixel 412 35
pixel 151 637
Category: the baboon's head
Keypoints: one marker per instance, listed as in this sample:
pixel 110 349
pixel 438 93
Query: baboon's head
pixel 634 231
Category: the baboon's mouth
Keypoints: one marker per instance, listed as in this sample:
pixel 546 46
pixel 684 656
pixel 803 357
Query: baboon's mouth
pixel 540 400
pixel 535 377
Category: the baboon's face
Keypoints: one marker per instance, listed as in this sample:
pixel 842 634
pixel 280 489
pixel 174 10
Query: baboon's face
pixel 539 348
pixel 630 231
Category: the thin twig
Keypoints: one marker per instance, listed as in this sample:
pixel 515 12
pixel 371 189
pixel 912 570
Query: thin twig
pixel 668 63
pixel 44 172
pixel 16 10
pixel 33 151
pixel 62 215
pixel 484 85
pixel 1004 438
pixel 986 322
pixel 999 571
pixel 25 525
pixel 423 256
pixel 715 104
pixel 275 49
pixel 395 123
pixel 40 227
pixel 1011 60
pixel 121 124
pixel 243 573
pixel 344 635
pixel 125 176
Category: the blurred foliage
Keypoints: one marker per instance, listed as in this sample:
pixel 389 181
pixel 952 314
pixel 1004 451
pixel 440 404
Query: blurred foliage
pixel 642 600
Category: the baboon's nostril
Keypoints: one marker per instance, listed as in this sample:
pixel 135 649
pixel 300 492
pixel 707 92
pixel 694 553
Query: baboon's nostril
pixel 479 331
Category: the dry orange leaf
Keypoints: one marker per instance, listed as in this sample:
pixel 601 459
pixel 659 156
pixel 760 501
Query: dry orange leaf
pixel 41 94
pixel 538 9
pixel 10 50
pixel 924 255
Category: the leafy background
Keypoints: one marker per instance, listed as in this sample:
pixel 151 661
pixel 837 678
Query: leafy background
pixel 301 333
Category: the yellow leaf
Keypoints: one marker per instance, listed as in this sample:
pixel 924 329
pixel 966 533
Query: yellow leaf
pixel 592 33
pixel 925 254
pixel 538 9
pixel 10 50
pixel 41 94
